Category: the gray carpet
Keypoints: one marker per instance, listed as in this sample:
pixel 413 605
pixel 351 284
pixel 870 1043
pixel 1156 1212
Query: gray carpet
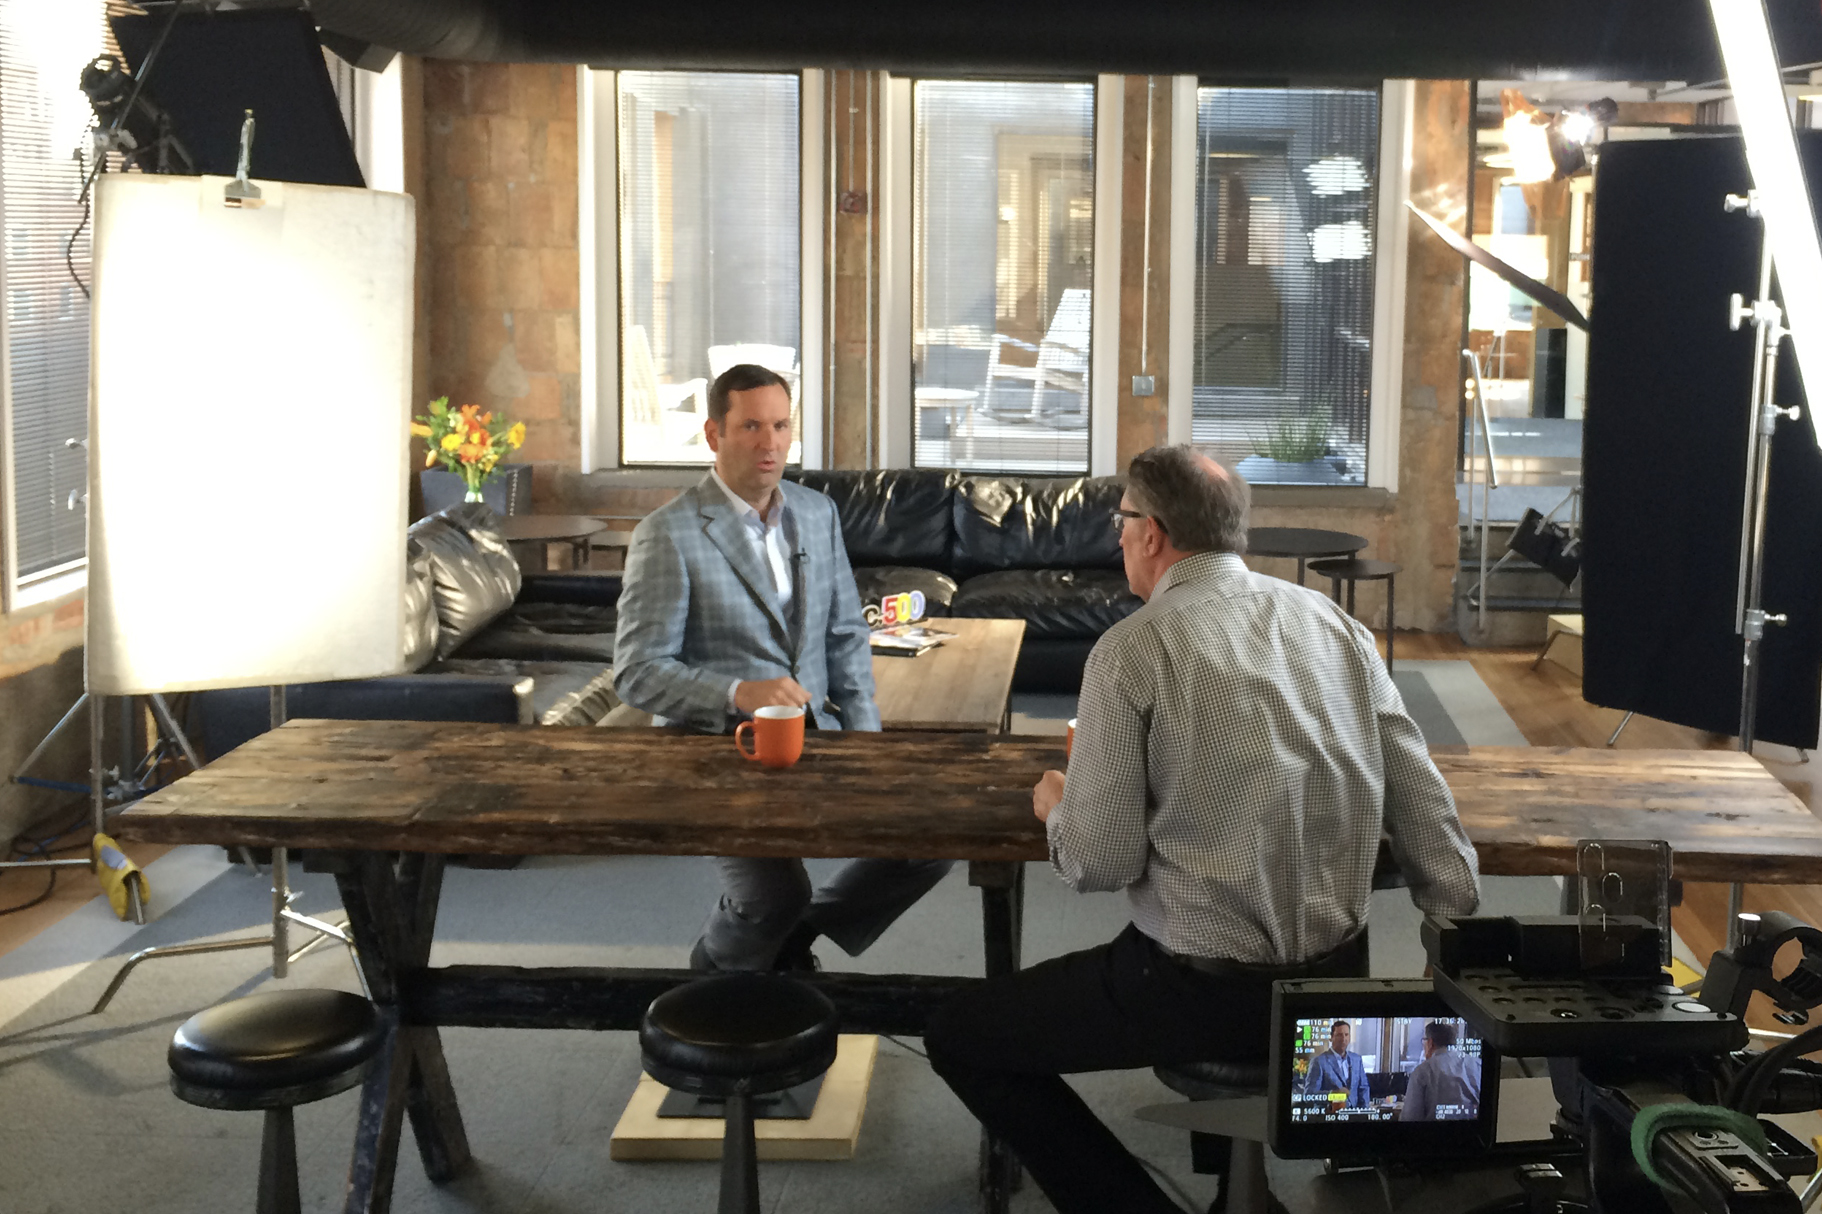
pixel 86 1118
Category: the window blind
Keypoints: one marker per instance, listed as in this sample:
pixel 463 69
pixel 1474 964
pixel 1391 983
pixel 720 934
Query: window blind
pixel 1282 355
pixel 44 119
pixel 710 248
pixel 1003 256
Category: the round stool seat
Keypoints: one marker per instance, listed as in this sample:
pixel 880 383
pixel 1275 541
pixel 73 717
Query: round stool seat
pixel 1214 1080
pixel 754 1033
pixel 1355 569
pixel 276 1048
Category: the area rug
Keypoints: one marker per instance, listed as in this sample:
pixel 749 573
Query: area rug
pixel 1450 702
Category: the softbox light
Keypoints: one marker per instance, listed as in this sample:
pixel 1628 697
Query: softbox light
pixel 249 411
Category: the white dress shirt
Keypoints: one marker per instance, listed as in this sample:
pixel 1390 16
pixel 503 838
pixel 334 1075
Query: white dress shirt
pixel 767 531
pixel 1239 746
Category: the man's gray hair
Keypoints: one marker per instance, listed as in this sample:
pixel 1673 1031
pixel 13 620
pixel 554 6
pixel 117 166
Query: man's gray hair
pixel 1199 511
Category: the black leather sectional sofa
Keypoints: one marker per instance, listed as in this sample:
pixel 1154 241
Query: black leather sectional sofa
pixel 490 646
pixel 1044 551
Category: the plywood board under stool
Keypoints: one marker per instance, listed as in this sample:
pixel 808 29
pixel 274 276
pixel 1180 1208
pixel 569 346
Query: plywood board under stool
pixel 831 1131
pixel 1563 643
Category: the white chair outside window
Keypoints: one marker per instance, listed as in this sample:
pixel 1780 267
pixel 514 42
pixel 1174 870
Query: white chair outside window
pixel 1062 359
pixel 676 411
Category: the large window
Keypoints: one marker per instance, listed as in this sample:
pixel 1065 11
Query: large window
pixel 710 248
pixel 1003 189
pixel 1282 343
pixel 43 145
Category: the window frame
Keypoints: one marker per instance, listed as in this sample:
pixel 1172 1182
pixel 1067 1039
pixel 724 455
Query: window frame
pixel 19 592
pixel 598 238
pixel 897 413
pixel 1391 228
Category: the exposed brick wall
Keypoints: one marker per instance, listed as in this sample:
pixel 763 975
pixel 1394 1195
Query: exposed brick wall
pixel 501 211
pixel 40 677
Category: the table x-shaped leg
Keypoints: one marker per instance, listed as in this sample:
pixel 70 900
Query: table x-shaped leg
pixel 391 902
pixel 1002 886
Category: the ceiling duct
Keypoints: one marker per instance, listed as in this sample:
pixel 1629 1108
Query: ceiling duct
pixel 1239 40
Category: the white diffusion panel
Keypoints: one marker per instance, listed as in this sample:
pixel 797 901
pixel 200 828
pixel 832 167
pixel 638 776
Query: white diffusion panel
pixel 249 413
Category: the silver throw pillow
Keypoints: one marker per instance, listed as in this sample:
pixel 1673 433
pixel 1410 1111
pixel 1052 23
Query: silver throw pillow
pixel 475 575
pixel 420 611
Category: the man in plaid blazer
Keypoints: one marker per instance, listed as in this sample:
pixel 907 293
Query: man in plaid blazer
pixel 738 595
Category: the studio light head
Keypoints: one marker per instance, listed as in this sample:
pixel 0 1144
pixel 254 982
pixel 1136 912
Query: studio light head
pixel 1574 133
pixel 132 123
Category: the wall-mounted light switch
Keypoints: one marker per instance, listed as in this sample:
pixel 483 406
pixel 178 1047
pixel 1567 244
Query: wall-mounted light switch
pixel 1144 385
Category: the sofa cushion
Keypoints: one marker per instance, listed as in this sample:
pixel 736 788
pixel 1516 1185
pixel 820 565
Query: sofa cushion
pixel 476 576
pixel 895 516
pixel 1014 523
pixel 518 635
pixel 420 611
pixel 1054 603
pixel 562 693
pixel 880 580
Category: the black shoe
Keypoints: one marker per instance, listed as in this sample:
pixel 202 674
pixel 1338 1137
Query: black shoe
pixel 795 955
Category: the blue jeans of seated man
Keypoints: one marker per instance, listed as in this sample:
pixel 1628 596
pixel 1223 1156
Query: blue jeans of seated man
pixel 763 899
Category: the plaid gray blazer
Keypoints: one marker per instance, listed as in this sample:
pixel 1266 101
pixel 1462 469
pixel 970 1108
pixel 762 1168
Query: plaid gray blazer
pixel 698 611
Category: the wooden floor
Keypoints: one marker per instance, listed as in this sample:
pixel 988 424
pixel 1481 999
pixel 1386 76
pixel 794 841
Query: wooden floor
pixel 1545 703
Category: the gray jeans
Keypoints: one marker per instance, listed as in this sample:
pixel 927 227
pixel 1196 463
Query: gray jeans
pixel 762 900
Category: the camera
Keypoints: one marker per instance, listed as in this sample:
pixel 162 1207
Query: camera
pixel 1658 1096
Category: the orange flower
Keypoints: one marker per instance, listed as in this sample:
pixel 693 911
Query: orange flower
pixel 471 453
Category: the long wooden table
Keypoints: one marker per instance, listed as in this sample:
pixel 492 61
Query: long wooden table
pixel 384 801
pixel 962 684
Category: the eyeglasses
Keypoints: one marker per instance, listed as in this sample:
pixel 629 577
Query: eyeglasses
pixel 1120 516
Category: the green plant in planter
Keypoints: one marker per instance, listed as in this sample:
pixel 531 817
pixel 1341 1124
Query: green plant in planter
pixel 1296 440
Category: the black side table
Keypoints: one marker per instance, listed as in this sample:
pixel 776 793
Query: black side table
pixel 1356 569
pixel 1301 543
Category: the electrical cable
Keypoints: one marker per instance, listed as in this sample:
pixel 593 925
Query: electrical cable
pixel 1747 1091
pixel 49 888
pixel 101 156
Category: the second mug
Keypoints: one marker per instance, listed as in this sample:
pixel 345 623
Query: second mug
pixel 777 736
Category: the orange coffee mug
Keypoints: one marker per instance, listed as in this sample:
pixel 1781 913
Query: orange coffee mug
pixel 777 736
pixel 1069 739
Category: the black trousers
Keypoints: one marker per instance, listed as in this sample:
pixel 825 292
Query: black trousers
pixel 1005 1046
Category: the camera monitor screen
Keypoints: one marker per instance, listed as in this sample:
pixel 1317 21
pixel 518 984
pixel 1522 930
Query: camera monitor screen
pixel 1377 1067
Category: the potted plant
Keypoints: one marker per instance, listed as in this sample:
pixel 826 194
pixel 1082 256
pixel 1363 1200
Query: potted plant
pixel 1296 451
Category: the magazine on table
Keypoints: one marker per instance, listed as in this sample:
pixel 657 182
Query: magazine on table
pixel 907 640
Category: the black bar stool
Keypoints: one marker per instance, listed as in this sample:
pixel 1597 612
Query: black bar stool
pixel 737 1036
pixel 1357 569
pixel 274 1051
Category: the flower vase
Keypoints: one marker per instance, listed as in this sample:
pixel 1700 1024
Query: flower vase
pixel 473 494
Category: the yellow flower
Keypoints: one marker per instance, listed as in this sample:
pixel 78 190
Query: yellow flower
pixel 430 460
pixel 422 431
pixel 516 435
pixel 451 441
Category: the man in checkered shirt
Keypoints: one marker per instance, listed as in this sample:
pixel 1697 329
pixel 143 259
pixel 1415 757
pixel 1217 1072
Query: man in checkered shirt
pixel 1239 750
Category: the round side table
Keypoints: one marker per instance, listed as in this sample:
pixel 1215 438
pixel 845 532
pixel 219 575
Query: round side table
pixel 1356 569
pixel 1301 543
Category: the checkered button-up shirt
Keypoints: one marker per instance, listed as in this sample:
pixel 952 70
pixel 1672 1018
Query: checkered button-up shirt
pixel 1239 747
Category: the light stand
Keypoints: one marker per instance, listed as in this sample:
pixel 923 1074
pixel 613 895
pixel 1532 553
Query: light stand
pixel 283 956
pixel 1750 617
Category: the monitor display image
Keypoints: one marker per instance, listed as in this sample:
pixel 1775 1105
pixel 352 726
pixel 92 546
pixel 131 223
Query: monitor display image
pixel 1377 1068
pixel 1384 1068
